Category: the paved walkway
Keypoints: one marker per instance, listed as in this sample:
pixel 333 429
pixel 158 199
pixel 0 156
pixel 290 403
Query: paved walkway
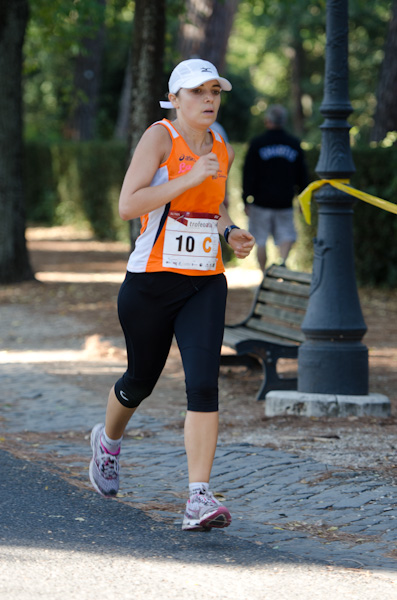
pixel 295 505
pixel 287 503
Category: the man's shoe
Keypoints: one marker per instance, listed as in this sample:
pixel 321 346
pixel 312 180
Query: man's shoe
pixel 203 512
pixel 104 466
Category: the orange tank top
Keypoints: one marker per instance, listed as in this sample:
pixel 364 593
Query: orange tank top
pixel 182 236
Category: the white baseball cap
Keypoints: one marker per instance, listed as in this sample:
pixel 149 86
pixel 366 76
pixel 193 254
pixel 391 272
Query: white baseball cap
pixel 193 73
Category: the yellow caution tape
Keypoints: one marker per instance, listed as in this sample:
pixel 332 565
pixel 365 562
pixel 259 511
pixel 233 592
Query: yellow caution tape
pixel 341 184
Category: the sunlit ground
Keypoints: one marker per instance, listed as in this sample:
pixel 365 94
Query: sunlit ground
pixel 68 239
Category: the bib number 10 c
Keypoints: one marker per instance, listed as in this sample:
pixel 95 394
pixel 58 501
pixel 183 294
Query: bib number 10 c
pixel 189 243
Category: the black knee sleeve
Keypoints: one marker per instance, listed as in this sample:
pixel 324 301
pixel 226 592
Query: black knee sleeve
pixel 130 393
pixel 202 400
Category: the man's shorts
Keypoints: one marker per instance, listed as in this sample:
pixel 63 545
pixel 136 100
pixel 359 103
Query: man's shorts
pixel 278 223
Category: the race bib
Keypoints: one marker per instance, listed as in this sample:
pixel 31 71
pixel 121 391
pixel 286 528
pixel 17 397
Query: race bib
pixel 191 241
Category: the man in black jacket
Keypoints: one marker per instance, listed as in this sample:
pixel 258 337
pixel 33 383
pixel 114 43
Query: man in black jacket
pixel 274 171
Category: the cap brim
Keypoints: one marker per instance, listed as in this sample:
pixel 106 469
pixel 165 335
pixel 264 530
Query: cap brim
pixel 225 84
pixel 199 79
pixel 166 104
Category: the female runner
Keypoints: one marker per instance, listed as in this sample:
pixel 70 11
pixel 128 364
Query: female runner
pixel 175 283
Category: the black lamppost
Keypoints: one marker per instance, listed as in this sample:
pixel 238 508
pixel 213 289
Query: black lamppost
pixel 333 360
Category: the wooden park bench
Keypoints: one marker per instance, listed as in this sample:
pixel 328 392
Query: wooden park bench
pixel 272 330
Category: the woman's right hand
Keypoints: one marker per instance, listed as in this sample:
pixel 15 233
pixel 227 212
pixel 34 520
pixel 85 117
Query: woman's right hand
pixel 206 166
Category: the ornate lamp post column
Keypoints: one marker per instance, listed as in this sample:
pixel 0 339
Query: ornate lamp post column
pixel 333 360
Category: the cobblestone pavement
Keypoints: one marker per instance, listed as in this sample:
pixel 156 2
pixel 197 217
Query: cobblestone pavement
pixel 293 504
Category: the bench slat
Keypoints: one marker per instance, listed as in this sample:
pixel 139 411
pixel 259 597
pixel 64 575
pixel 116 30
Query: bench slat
pixel 282 272
pixel 282 300
pixel 295 289
pixel 239 334
pixel 278 314
pixel 268 327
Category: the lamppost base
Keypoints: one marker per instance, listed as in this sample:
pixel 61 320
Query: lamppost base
pixel 338 367
pixel 300 404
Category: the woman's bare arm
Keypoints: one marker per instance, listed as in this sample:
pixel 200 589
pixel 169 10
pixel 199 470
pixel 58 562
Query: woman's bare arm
pixel 137 197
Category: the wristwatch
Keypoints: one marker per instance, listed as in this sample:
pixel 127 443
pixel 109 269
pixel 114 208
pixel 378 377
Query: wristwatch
pixel 228 230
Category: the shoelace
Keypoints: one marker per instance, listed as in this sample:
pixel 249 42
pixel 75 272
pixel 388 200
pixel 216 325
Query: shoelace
pixel 207 498
pixel 108 465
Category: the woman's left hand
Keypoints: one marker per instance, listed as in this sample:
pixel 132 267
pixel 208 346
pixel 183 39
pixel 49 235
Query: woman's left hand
pixel 241 241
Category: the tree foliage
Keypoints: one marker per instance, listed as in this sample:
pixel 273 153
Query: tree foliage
pixel 275 53
pixel 386 108
pixel 273 40
pixel 57 36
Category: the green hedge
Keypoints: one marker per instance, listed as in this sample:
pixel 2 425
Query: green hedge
pixel 374 230
pixel 41 189
pixel 79 183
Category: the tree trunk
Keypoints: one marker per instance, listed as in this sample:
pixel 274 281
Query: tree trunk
pixel 147 74
pixel 205 31
pixel 296 85
pixel 87 79
pixel 14 261
pixel 123 116
pixel 386 109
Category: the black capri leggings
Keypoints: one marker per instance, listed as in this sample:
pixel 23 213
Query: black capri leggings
pixel 155 306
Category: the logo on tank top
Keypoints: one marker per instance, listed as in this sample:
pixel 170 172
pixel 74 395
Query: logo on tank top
pixel 184 160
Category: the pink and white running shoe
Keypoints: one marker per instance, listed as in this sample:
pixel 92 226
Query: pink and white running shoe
pixel 203 512
pixel 104 466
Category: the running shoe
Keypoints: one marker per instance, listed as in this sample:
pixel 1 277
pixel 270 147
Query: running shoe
pixel 203 512
pixel 104 466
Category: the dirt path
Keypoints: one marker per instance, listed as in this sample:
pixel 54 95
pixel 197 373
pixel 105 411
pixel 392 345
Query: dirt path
pixel 78 280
